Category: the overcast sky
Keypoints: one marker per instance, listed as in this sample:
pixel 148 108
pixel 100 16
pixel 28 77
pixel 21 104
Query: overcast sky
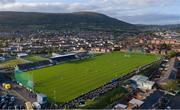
pixel 133 11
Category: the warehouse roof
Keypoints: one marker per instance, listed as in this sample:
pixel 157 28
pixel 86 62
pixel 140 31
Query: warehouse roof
pixel 139 78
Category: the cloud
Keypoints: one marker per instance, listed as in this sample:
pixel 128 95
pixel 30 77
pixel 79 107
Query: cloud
pixel 52 7
pixel 153 18
pixel 94 5
pixel 145 2
pixel 7 1
pixel 134 11
pixel 134 3
pixel 44 7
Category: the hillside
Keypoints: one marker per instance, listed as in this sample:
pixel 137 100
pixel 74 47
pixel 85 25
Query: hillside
pixel 57 21
pixel 157 27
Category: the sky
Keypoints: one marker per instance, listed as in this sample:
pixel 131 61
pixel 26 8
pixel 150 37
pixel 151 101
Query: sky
pixel 132 11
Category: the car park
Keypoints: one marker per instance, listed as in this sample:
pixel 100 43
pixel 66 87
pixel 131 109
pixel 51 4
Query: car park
pixel 8 102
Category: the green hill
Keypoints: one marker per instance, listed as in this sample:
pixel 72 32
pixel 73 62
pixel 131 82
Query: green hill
pixel 57 21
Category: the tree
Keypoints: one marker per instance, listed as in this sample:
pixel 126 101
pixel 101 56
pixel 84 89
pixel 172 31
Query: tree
pixel 171 86
pixel 165 46
pixel 171 54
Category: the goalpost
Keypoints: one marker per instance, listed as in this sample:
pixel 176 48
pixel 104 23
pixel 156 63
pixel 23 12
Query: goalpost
pixel 128 54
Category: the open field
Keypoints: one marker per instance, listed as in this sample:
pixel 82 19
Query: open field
pixel 12 63
pixel 34 58
pixel 67 81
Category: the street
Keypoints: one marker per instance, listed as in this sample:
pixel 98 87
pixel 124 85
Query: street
pixel 167 74
pixel 20 93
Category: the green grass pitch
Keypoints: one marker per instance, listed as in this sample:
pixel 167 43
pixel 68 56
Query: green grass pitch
pixel 67 81
pixel 34 58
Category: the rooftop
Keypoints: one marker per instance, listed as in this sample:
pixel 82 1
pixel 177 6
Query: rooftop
pixel 139 78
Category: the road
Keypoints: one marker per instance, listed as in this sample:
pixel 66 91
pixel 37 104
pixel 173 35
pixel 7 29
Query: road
pixel 152 99
pixel 22 95
pixel 169 74
pixel 174 101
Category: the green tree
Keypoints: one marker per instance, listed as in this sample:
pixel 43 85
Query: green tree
pixel 165 46
pixel 171 86
pixel 171 54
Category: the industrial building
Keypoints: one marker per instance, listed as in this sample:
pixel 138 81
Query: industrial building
pixel 142 82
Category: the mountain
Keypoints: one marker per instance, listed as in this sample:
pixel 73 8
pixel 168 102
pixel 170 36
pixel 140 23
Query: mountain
pixel 58 21
pixel 159 27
